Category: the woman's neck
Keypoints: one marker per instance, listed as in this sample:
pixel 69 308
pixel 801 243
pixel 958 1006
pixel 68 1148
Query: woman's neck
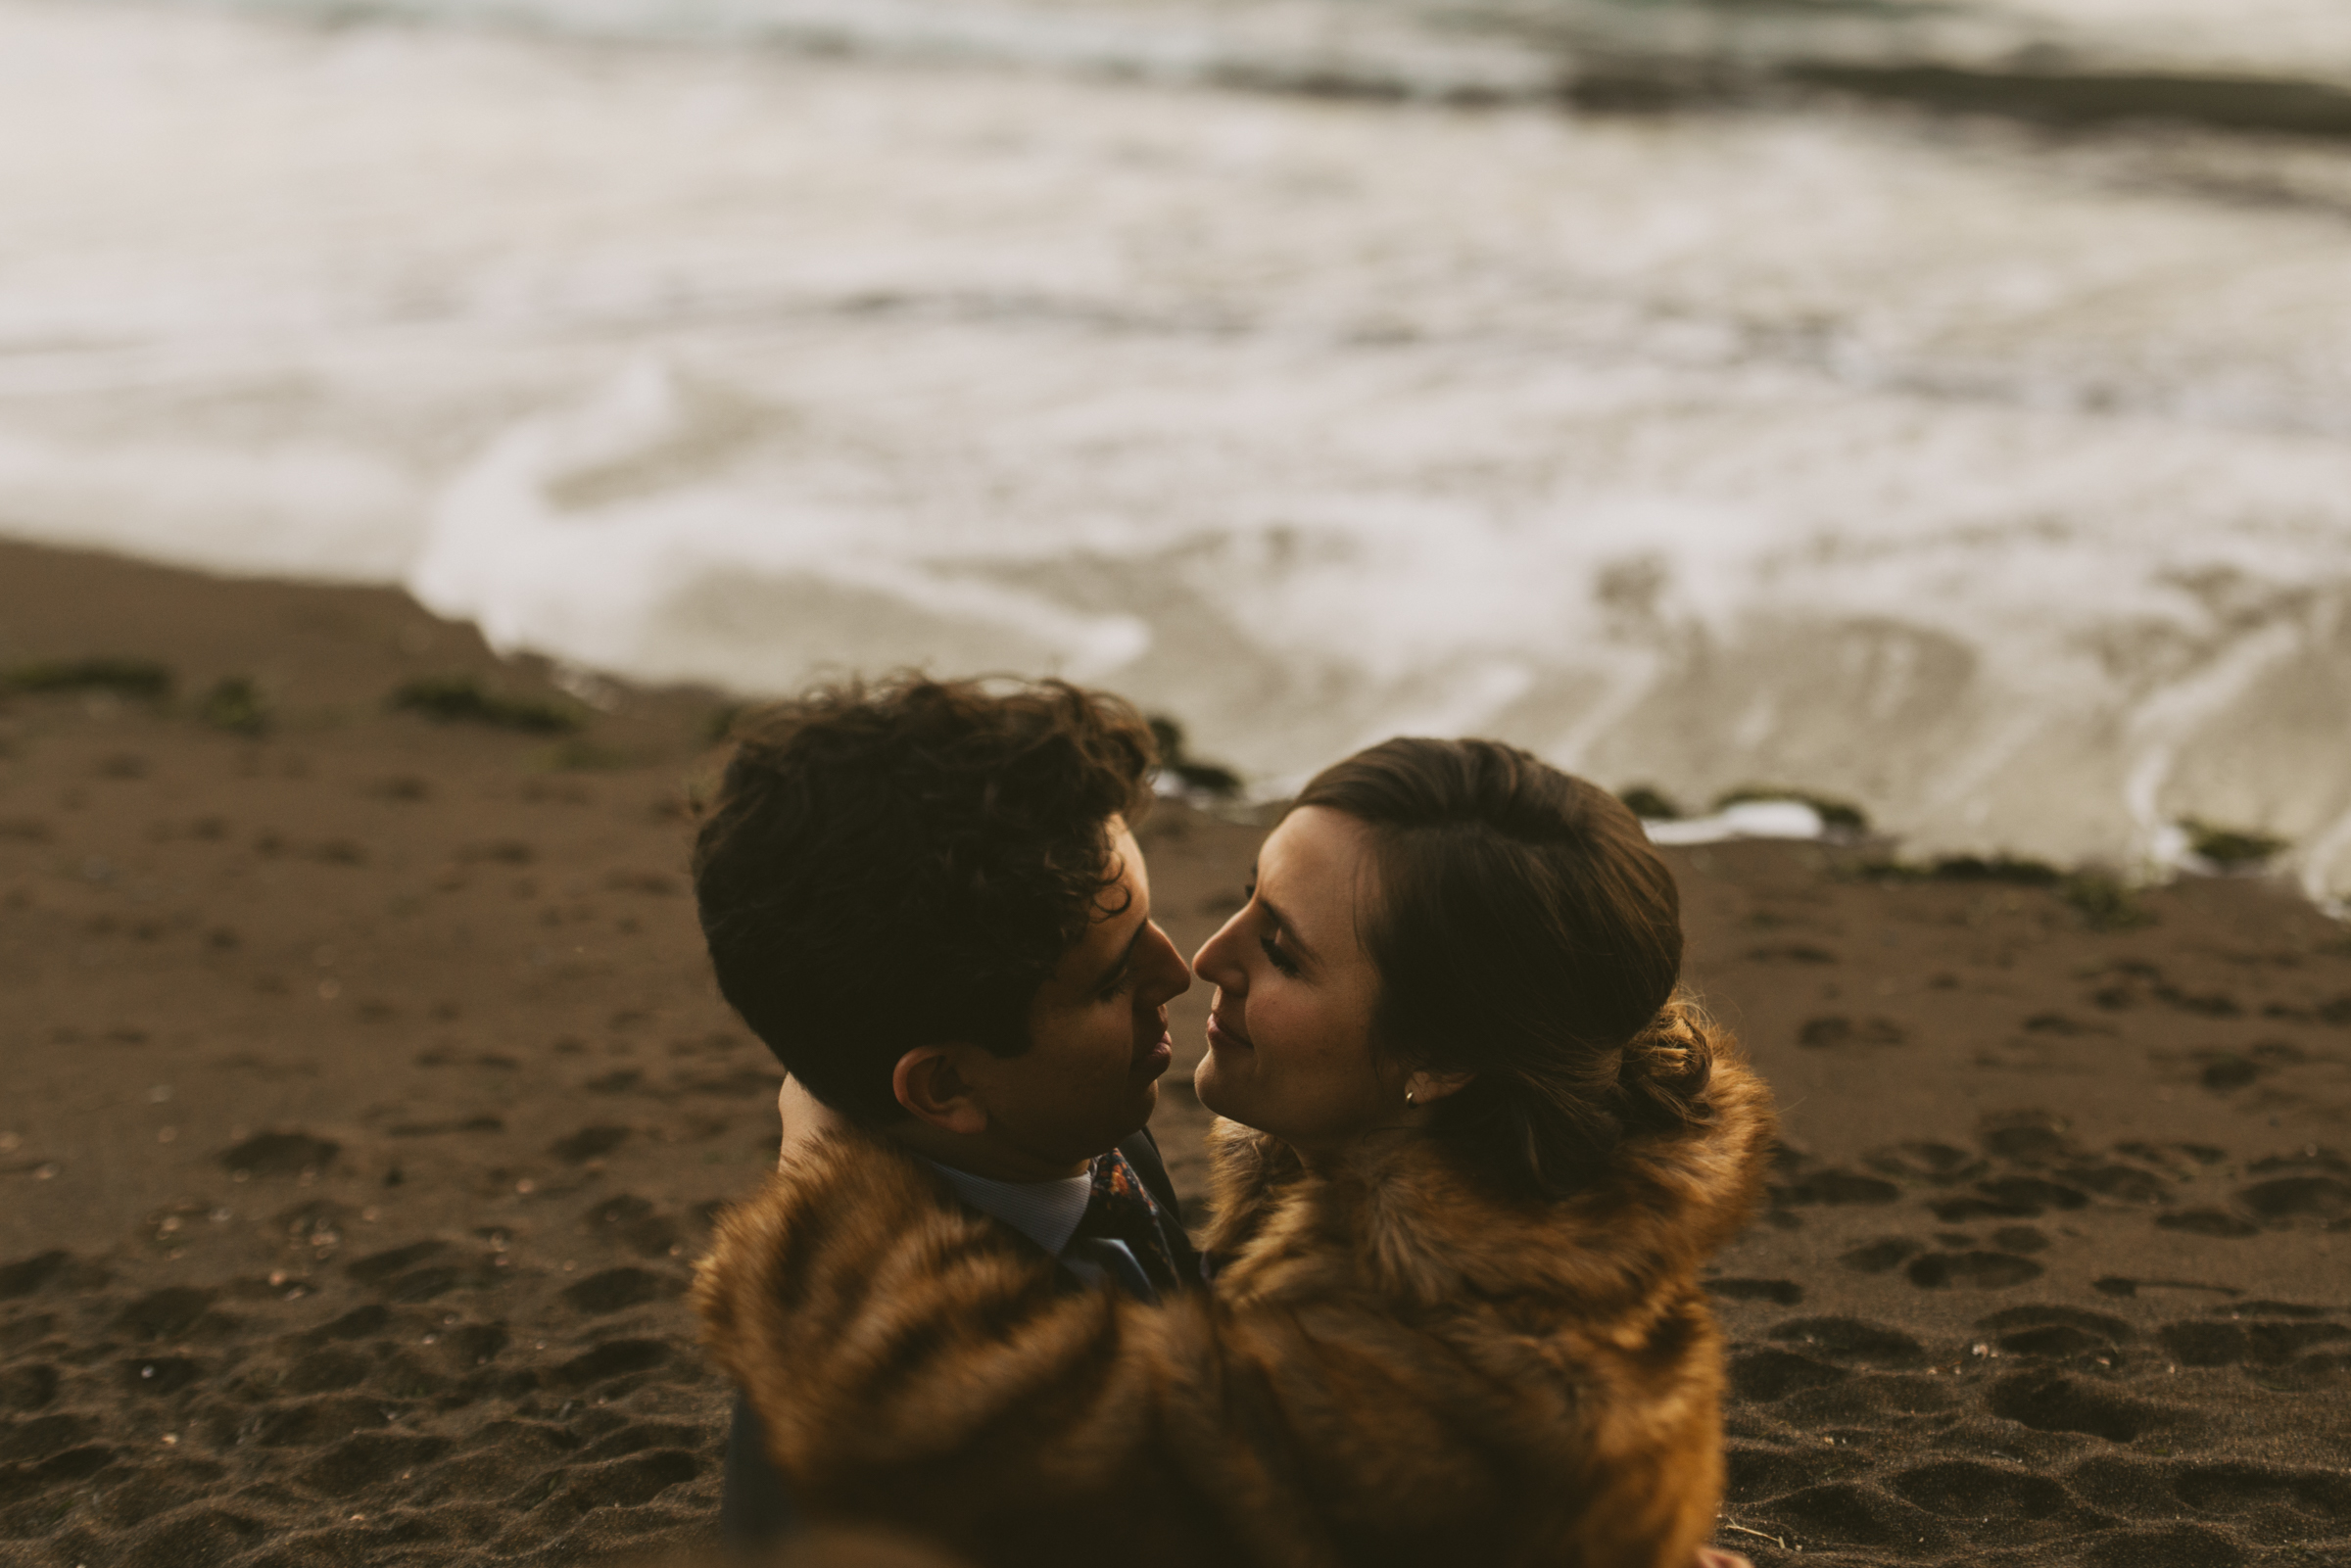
pixel 1331 1157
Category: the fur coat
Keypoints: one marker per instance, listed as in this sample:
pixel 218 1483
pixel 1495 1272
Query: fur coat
pixel 1393 1367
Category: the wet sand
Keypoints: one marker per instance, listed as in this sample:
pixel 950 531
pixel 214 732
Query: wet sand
pixel 367 1097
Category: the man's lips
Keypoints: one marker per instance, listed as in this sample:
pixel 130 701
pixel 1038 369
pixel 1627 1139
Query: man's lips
pixel 1162 1054
pixel 1223 1031
pixel 1153 1055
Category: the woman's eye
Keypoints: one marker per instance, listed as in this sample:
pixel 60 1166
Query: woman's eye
pixel 1274 956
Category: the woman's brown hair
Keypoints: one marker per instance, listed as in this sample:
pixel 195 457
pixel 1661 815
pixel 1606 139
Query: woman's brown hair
pixel 1524 931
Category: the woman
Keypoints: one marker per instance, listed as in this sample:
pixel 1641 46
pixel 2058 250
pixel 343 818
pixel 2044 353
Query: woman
pixel 1478 1148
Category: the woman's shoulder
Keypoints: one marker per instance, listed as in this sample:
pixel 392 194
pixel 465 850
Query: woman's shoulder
pixel 1248 1171
pixel 1411 1228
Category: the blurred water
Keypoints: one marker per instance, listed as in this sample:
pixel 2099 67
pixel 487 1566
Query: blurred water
pixel 1995 478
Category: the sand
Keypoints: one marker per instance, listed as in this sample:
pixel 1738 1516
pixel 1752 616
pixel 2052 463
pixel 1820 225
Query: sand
pixel 367 1097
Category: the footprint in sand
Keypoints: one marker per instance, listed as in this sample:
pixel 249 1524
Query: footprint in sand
pixel 2027 1138
pixel 1933 1164
pixel 1848 1513
pixel 2283 1199
pixel 1767 1374
pixel 368 1459
pixel 610 1360
pixel 2208 1222
pixel 618 1289
pixel 1781 1292
pixel 279 1154
pixel 1878 1256
pixel 2285 1344
pixel 1852 1339
pixel 28 1387
pixel 589 1143
pixel 421 1271
pixel 1977 1492
pixel 175 1313
pixel 1973 1270
pixel 159 1374
pixel 2049 1401
pixel 1834 1187
pixel 52 1269
pixel 2060 1332
pixel 1836 1031
pixel 633 1222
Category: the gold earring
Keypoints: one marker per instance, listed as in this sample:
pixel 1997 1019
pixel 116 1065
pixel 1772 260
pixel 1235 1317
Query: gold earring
pixel 1408 1098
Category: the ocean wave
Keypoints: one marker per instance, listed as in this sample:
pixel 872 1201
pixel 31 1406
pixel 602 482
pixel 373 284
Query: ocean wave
pixel 2282 66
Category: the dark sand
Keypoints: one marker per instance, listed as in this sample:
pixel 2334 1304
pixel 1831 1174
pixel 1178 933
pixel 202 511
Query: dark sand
pixel 366 1098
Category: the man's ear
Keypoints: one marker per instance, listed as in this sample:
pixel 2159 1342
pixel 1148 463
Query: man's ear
pixel 929 1083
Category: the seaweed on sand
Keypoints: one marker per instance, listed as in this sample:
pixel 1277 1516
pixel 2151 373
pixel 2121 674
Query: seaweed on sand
pixel 2105 901
pixel 2013 871
pixel 2230 848
pixel 124 677
pixel 462 699
pixel 235 705
pixel 1649 803
pixel 1196 776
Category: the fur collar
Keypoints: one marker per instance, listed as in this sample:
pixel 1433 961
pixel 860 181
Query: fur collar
pixel 1403 1221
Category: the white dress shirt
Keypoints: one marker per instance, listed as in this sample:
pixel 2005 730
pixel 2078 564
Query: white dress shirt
pixel 1048 1213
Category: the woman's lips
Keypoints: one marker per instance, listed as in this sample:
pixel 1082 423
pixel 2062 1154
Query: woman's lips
pixel 1220 1033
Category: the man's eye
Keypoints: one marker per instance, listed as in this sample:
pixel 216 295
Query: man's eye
pixel 1275 956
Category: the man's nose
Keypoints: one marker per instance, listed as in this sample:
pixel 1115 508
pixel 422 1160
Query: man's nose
pixel 1170 975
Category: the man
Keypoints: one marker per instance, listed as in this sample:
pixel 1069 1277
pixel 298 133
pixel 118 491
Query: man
pixel 926 898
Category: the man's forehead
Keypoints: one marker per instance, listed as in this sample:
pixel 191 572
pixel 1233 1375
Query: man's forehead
pixel 1125 899
pixel 1125 869
pixel 1120 910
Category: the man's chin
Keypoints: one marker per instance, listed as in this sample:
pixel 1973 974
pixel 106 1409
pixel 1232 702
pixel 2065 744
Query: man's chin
pixel 1148 1102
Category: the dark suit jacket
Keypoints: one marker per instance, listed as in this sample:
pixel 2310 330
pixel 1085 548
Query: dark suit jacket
pixel 756 1511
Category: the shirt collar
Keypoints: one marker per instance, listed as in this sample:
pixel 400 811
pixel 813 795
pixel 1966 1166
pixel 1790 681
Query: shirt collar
pixel 1048 1213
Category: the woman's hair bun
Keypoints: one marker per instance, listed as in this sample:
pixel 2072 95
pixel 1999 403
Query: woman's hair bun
pixel 1662 1079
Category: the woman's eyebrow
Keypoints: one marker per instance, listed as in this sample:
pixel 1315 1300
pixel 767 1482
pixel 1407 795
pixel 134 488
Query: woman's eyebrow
pixel 1284 924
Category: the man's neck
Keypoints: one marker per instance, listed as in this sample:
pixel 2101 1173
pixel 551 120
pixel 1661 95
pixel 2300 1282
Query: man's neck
pixel 982 1155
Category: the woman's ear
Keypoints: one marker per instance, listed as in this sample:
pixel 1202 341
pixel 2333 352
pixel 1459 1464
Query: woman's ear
pixel 929 1082
pixel 1428 1088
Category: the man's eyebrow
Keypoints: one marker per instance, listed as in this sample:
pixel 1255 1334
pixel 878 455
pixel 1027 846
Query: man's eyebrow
pixel 1117 965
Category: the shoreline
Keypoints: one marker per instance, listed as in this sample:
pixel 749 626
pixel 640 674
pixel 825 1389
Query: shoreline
pixel 370 1097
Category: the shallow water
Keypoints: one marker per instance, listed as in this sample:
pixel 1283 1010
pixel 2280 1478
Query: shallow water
pixel 1994 478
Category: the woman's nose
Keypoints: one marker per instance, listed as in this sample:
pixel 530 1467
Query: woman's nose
pixel 1215 964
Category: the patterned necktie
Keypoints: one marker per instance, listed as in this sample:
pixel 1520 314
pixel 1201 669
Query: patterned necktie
pixel 1121 1208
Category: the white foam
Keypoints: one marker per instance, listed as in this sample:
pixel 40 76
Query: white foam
pixel 598 583
pixel 1748 818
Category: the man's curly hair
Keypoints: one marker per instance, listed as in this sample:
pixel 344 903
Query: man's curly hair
pixel 903 864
